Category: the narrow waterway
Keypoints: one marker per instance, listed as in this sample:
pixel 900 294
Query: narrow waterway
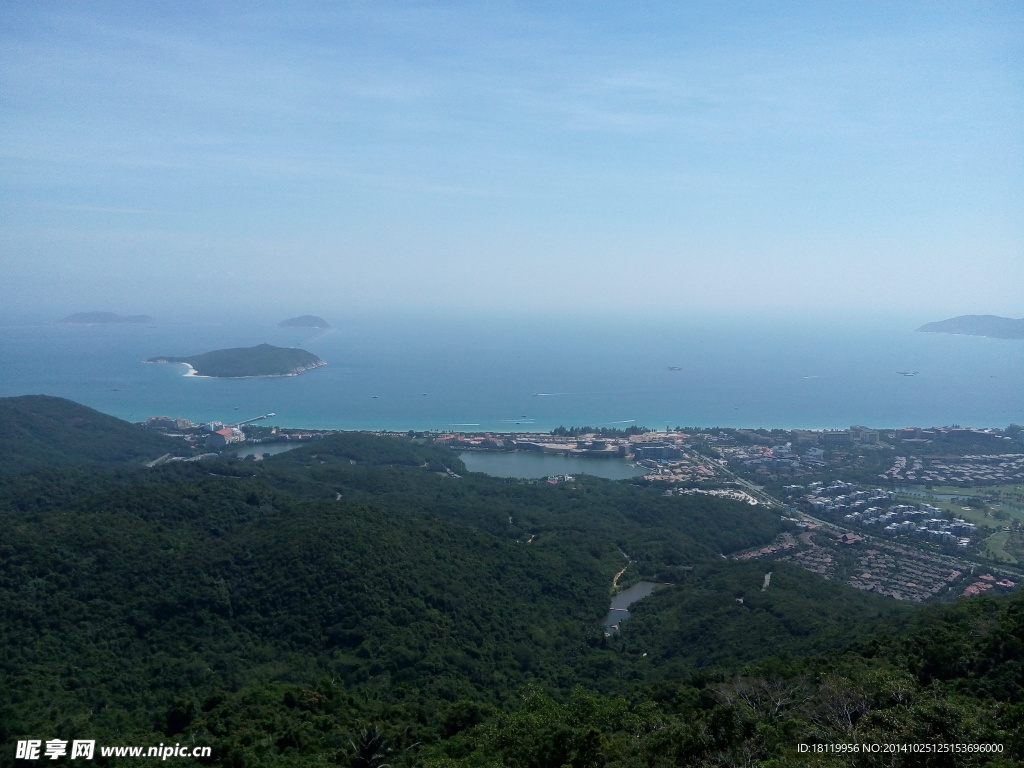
pixel 619 610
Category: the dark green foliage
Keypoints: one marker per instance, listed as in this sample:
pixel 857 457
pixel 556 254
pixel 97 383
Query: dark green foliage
pixel 355 602
pixel 796 614
pixel 869 696
pixel 368 449
pixel 659 532
pixel 261 360
pixel 42 431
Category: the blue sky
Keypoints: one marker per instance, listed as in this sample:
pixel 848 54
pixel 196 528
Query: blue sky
pixel 513 157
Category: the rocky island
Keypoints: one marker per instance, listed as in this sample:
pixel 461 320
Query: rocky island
pixel 991 326
pixel 305 321
pixel 103 318
pixel 244 362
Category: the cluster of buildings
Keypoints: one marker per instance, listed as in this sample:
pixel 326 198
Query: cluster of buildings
pixel 839 438
pixel 775 457
pixel 875 508
pixel 839 497
pixel 812 558
pixel 218 437
pixel 883 568
pixel 556 479
pixel 169 423
pixel 725 493
pixel 682 470
pixel 984 583
pixel 956 434
pixel 781 544
pixel 460 441
pixel 904 576
pixel 972 470
pixel 221 436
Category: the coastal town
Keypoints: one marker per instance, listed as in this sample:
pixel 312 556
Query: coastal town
pixel 914 514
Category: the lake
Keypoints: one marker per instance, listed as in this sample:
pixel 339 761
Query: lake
pixel 526 465
pixel 618 612
pixel 260 449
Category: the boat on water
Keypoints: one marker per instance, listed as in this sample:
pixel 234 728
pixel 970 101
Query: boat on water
pixel 907 373
pixel 674 368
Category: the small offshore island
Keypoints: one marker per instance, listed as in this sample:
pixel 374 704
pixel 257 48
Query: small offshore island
pixel 245 362
pixel 305 321
pixel 990 326
pixel 103 318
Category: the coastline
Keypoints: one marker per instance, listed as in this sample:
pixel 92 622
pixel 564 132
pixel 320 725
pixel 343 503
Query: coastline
pixel 193 373
pixel 727 382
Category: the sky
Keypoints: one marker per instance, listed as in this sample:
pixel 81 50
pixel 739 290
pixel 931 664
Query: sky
pixel 512 157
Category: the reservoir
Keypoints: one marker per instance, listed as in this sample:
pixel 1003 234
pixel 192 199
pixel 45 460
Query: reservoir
pixel 527 465
pixel 618 612
pixel 273 449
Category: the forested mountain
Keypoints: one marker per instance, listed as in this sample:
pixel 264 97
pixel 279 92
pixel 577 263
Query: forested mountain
pixel 42 431
pixel 243 362
pixel 992 326
pixel 364 600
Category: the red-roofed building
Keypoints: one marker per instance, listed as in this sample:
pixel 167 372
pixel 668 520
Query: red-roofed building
pixel 225 436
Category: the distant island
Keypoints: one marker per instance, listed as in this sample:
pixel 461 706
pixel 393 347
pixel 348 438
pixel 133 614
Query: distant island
pixel 243 362
pixel 992 326
pixel 103 318
pixel 305 321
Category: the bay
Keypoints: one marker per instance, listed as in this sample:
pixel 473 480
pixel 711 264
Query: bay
pixel 472 374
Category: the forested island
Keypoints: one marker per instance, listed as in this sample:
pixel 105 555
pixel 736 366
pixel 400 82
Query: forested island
pixel 365 600
pixel 305 321
pixel 103 318
pixel 991 326
pixel 241 362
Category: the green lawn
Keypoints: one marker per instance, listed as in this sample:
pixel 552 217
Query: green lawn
pixel 976 516
pixel 1011 502
pixel 996 546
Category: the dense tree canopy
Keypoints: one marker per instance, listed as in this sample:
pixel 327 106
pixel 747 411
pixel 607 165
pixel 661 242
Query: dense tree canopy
pixel 362 601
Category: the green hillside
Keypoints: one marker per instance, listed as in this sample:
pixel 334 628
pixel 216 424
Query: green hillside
pixel 42 431
pixel 993 326
pixel 368 596
pixel 305 321
pixel 241 362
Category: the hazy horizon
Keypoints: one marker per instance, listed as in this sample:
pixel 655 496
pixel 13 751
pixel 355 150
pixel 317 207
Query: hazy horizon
pixel 513 159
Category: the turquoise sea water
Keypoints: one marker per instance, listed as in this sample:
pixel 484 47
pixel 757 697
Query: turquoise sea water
pixel 476 374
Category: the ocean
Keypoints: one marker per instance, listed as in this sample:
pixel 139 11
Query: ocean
pixel 482 374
